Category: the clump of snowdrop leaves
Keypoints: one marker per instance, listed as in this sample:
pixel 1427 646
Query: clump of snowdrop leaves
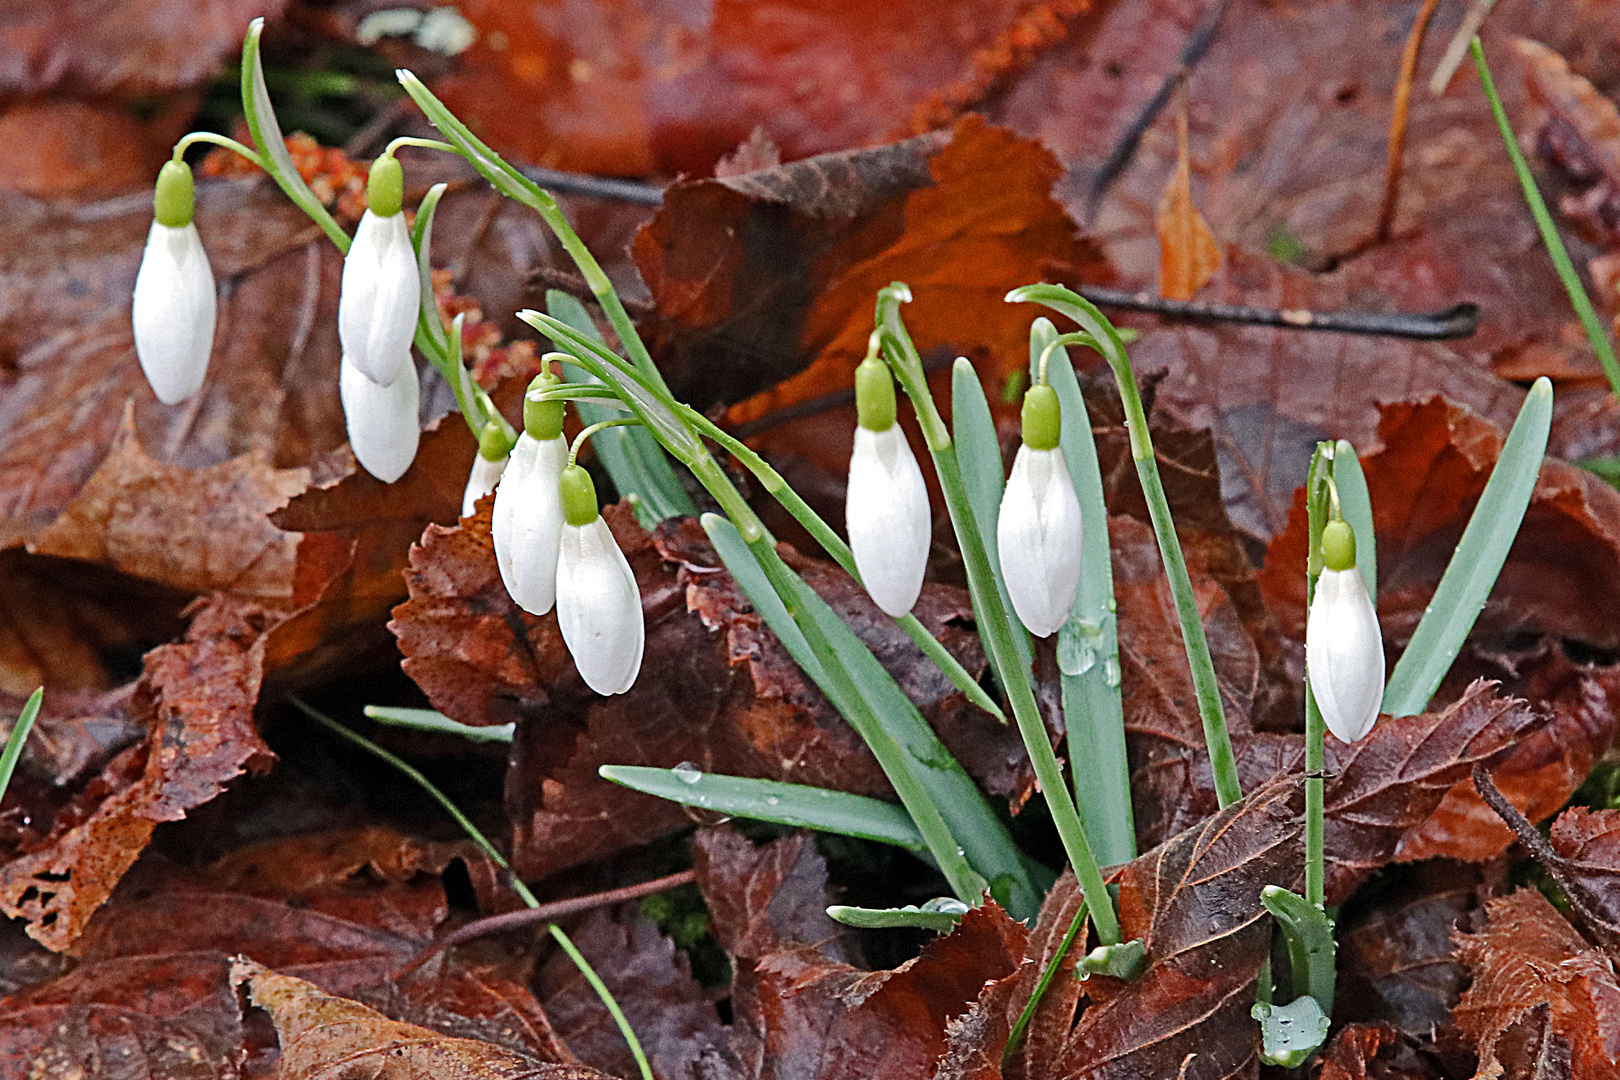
pixel 527 520
pixel 1344 649
pixel 174 309
pixel 1038 530
pixel 598 601
pixel 886 509
pixel 381 291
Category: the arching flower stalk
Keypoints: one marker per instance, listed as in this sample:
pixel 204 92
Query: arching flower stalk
pixel 598 600
pixel 527 519
pixel 382 290
pixel 1038 529
pixel 1344 649
pixel 174 308
pixel 886 509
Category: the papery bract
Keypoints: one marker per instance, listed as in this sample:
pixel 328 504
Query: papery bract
pixel 381 419
pixel 1344 654
pixel 380 298
pixel 599 608
pixel 1038 539
pixel 888 518
pixel 173 312
pixel 527 521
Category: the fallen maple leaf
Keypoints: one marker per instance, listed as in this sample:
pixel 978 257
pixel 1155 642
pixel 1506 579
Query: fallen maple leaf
pixel 1527 957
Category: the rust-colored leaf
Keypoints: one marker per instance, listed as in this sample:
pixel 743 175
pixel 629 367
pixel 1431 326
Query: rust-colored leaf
pixel 1188 253
pixel 1527 957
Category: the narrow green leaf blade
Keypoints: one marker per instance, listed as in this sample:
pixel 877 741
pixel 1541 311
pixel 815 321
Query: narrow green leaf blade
pixel 638 466
pixel 967 812
pixel 1356 505
pixel 18 736
pixel 438 723
pixel 797 805
pixel 1477 561
pixel 1088 644
pixel 865 918
pixel 978 451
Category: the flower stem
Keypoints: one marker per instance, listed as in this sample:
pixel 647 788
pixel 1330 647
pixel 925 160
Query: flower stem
pixel 592 429
pixel 495 856
pixel 423 144
pixel 995 626
pixel 1318 483
pixel 195 137
pixel 1205 686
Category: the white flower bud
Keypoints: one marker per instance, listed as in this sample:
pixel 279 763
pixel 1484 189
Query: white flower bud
pixel 599 608
pixel 481 481
pixel 173 312
pixel 381 418
pixel 886 513
pixel 527 521
pixel 381 295
pixel 1344 654
pixel 1038 539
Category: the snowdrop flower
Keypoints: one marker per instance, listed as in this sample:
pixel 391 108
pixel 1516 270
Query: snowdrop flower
pixel 488 465
pixel 528 519
pixel 598 601
pixel 381 418
pixel 173 311
pixel 1038 530
pixel 382 290
pixel 886 510
pixel 1344 649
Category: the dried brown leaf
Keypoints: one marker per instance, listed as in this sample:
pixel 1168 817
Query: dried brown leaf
pixel 1188 253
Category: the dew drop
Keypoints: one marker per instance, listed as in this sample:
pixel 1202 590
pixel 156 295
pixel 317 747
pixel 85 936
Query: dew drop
pixel 772 800
pixel 688 772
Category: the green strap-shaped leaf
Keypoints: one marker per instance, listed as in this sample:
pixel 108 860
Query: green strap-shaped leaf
pixel 978 451
pixel 972 821
pixel 1356 505
pixel 796 805
pixel 941 915
pixel 1088 644
pixel 18 736
pixel 1477 561
pixel 438 723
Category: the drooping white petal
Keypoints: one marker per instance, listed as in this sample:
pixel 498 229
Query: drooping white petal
pixel 887 515
pixel 1038 539
pixel 381 419
pixel 481 481
pixel 381 296
pixel 527 521
pixel 173 312
pixel 1344 654
pixel 599 608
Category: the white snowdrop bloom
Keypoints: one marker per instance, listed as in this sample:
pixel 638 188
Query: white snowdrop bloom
pixel 886 508
pixel 1038 539
pixel 1038 526
pixel 381 418
pixel 527 519
pixel 1344 649
pixel 382 290
pixel 485 474
pixel 173 310
pixel 598 601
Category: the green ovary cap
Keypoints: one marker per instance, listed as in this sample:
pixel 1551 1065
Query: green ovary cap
pixel 385 188
pixel 578 496
pixel 176 195
pixel 1338 546
pixel 493 443
pixel 1043 418
pixel 874 395
pixel 543 419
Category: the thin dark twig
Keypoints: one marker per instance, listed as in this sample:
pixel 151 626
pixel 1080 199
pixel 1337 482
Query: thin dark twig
pixel 514 920
pixel 1192 51
pixel 1459 320
pixel 1600 923
pixel 595 187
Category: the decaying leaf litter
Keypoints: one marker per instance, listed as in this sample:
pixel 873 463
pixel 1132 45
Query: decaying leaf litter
pixel 173 575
